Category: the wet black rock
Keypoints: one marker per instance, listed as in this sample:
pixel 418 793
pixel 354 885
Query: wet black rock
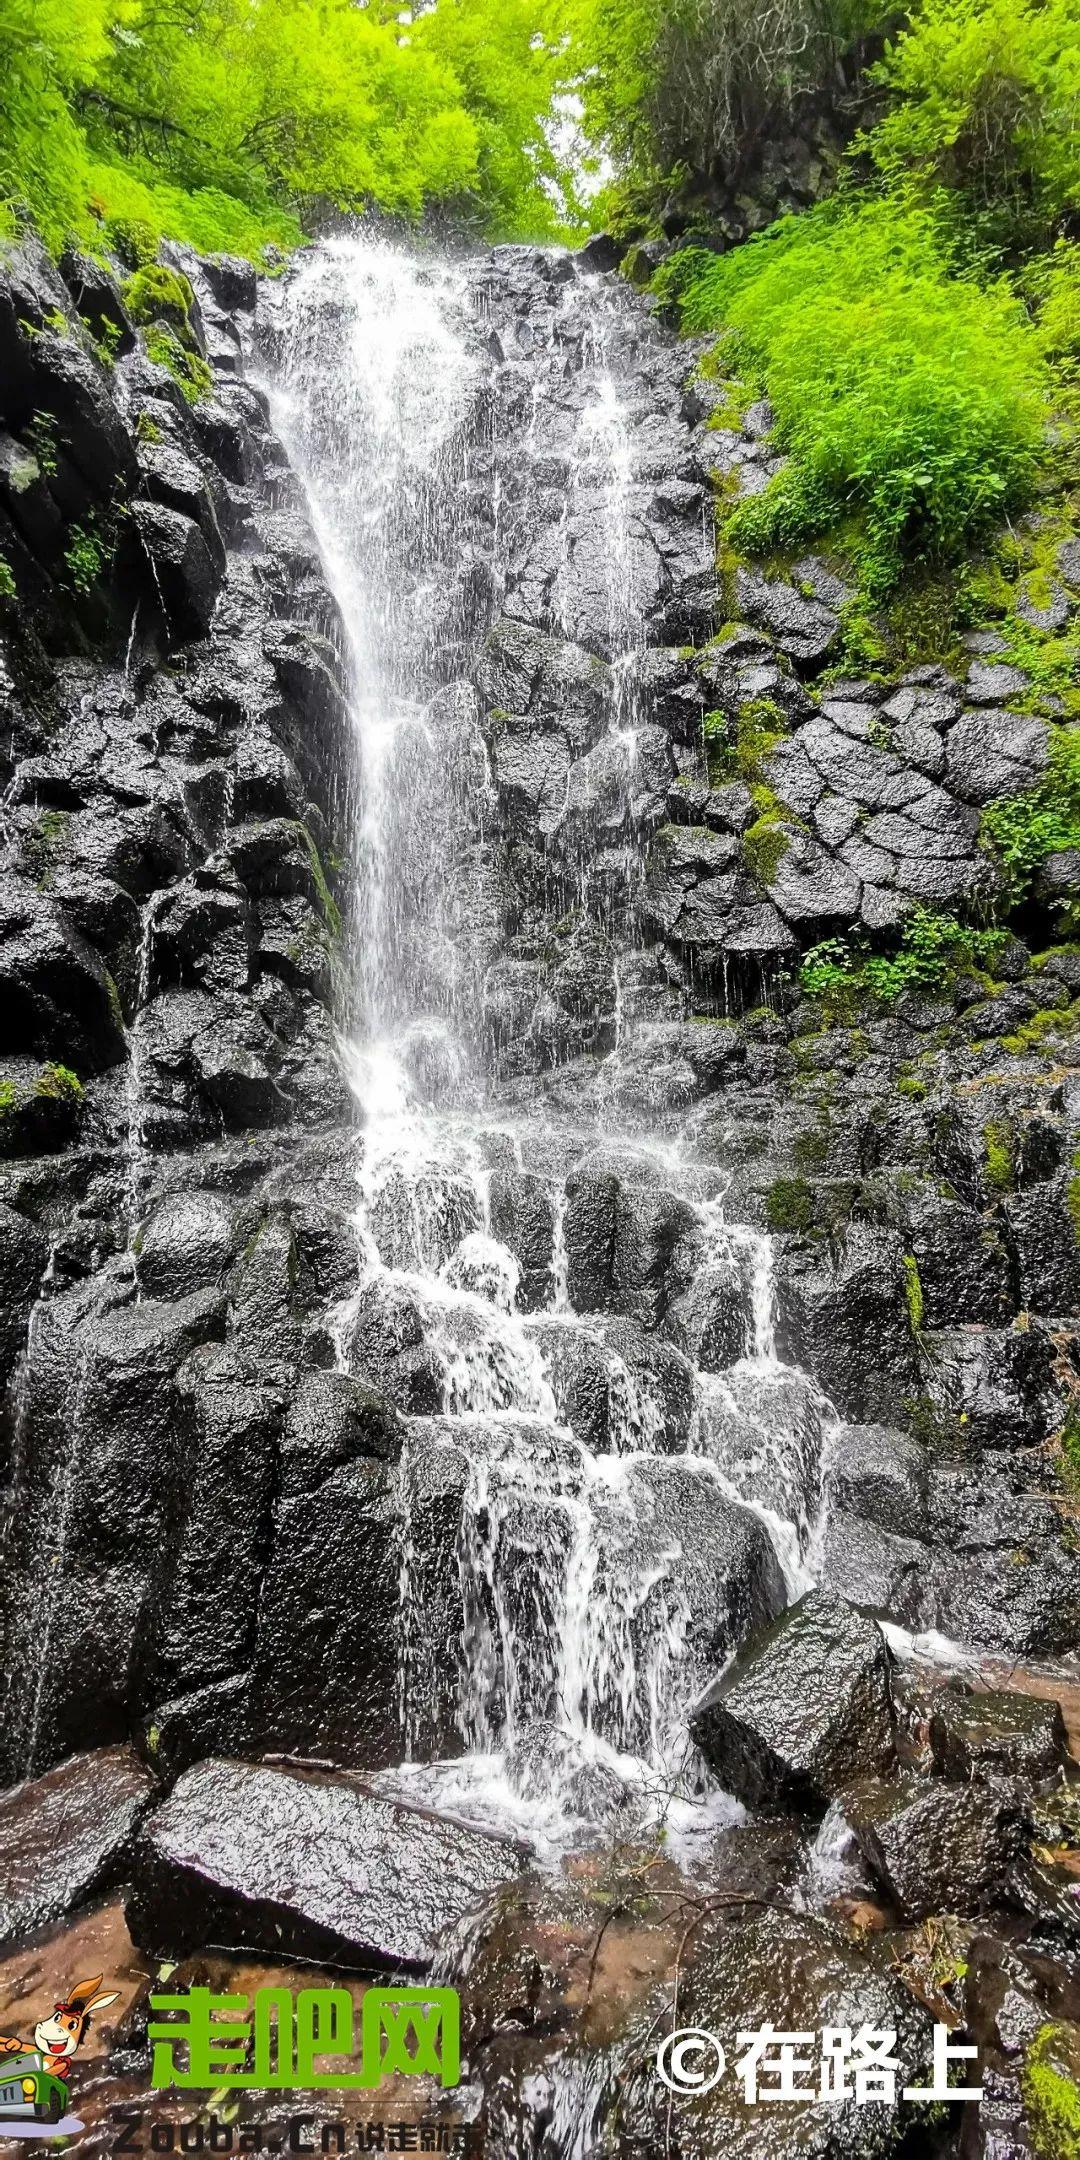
pixel 830 1309
pixel 59 1000
pixel 248 1857
pixel 744 1970
pixel 182 569
pixel 999 1731
pixel 802 1710
pixel 882 1475
pixel 943 1848
pixel 68 1837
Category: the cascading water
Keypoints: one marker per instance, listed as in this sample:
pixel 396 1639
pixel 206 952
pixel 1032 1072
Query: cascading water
pixel 423 453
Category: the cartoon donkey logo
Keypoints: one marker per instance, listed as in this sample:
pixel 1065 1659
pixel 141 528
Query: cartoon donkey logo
pixel 59 2037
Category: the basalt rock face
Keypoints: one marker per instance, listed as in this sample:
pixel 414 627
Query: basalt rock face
pixel 207 1444
pixel 511 1418
pixel 173 756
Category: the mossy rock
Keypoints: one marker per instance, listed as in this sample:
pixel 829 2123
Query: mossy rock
pixel 156 294
pixel 789 1205
pixel 1051 2088
pixel 40 1106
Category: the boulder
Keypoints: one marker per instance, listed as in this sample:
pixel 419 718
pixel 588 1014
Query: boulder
pixel 879 1474
pixel 942 1848
pixel 995 753
pixel 97 297
pixel 182 570
pixel 68 1837
pixel 24 1257
pixel 802 1710
pixel 76 389
pixel 59 1001
pixel 999 1731
pixel 305 1865
pixel 846 1320
pixel 187 1244
pixel 744 1972
pixel 805 629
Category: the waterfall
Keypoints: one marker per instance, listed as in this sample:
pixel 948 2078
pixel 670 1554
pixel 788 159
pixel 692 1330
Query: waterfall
pixel 424 453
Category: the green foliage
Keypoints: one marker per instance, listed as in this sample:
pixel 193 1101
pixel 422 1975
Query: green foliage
pixel 998 1150
pixel 40 434
pixel 220 121
pixel 59 1083
pixel 7 580
pixel 908 398
pixel 1051 2087
pixel 155 293
pixel 187 368
pixel 759 727
pixel 789 1205
pixel 913 1294
pixel 933 948
pixel 1022 830
pixel 49 50
pixel 85 555
pixel 986 100
pixel 1068 1441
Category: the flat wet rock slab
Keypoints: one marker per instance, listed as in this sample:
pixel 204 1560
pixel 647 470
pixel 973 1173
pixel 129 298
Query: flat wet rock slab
pixel 66 1836
pixel 253 1856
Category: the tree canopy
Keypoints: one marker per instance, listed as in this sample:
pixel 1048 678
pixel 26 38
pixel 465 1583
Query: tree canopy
pixel 224 120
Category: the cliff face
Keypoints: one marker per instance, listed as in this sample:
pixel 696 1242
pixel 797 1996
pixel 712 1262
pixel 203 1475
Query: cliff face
pixel 487 1405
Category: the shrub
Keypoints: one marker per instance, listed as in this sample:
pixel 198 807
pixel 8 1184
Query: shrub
pixel 1024 829
pixel 987 99
pixel 933 948
pixel 907 397
pixel 85 556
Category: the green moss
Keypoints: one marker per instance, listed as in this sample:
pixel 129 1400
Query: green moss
pixel 59 1083
pixel 910 1084
pixel 811 1150
pixel 1073 1196
pixel 327 902
pixel 188 369
pixel 740 754
pixel 998 1150
pixel 913 1294
pixel 8 1097
pixel 147 430
pixel 157 294
pixel 765 844
pixel 1068 1442
pixel 1052 2093
pixel 7 579
pixel 1032 1034
pixel 789 1205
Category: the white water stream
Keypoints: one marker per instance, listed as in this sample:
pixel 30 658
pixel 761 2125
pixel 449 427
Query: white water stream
pixel 581 1642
